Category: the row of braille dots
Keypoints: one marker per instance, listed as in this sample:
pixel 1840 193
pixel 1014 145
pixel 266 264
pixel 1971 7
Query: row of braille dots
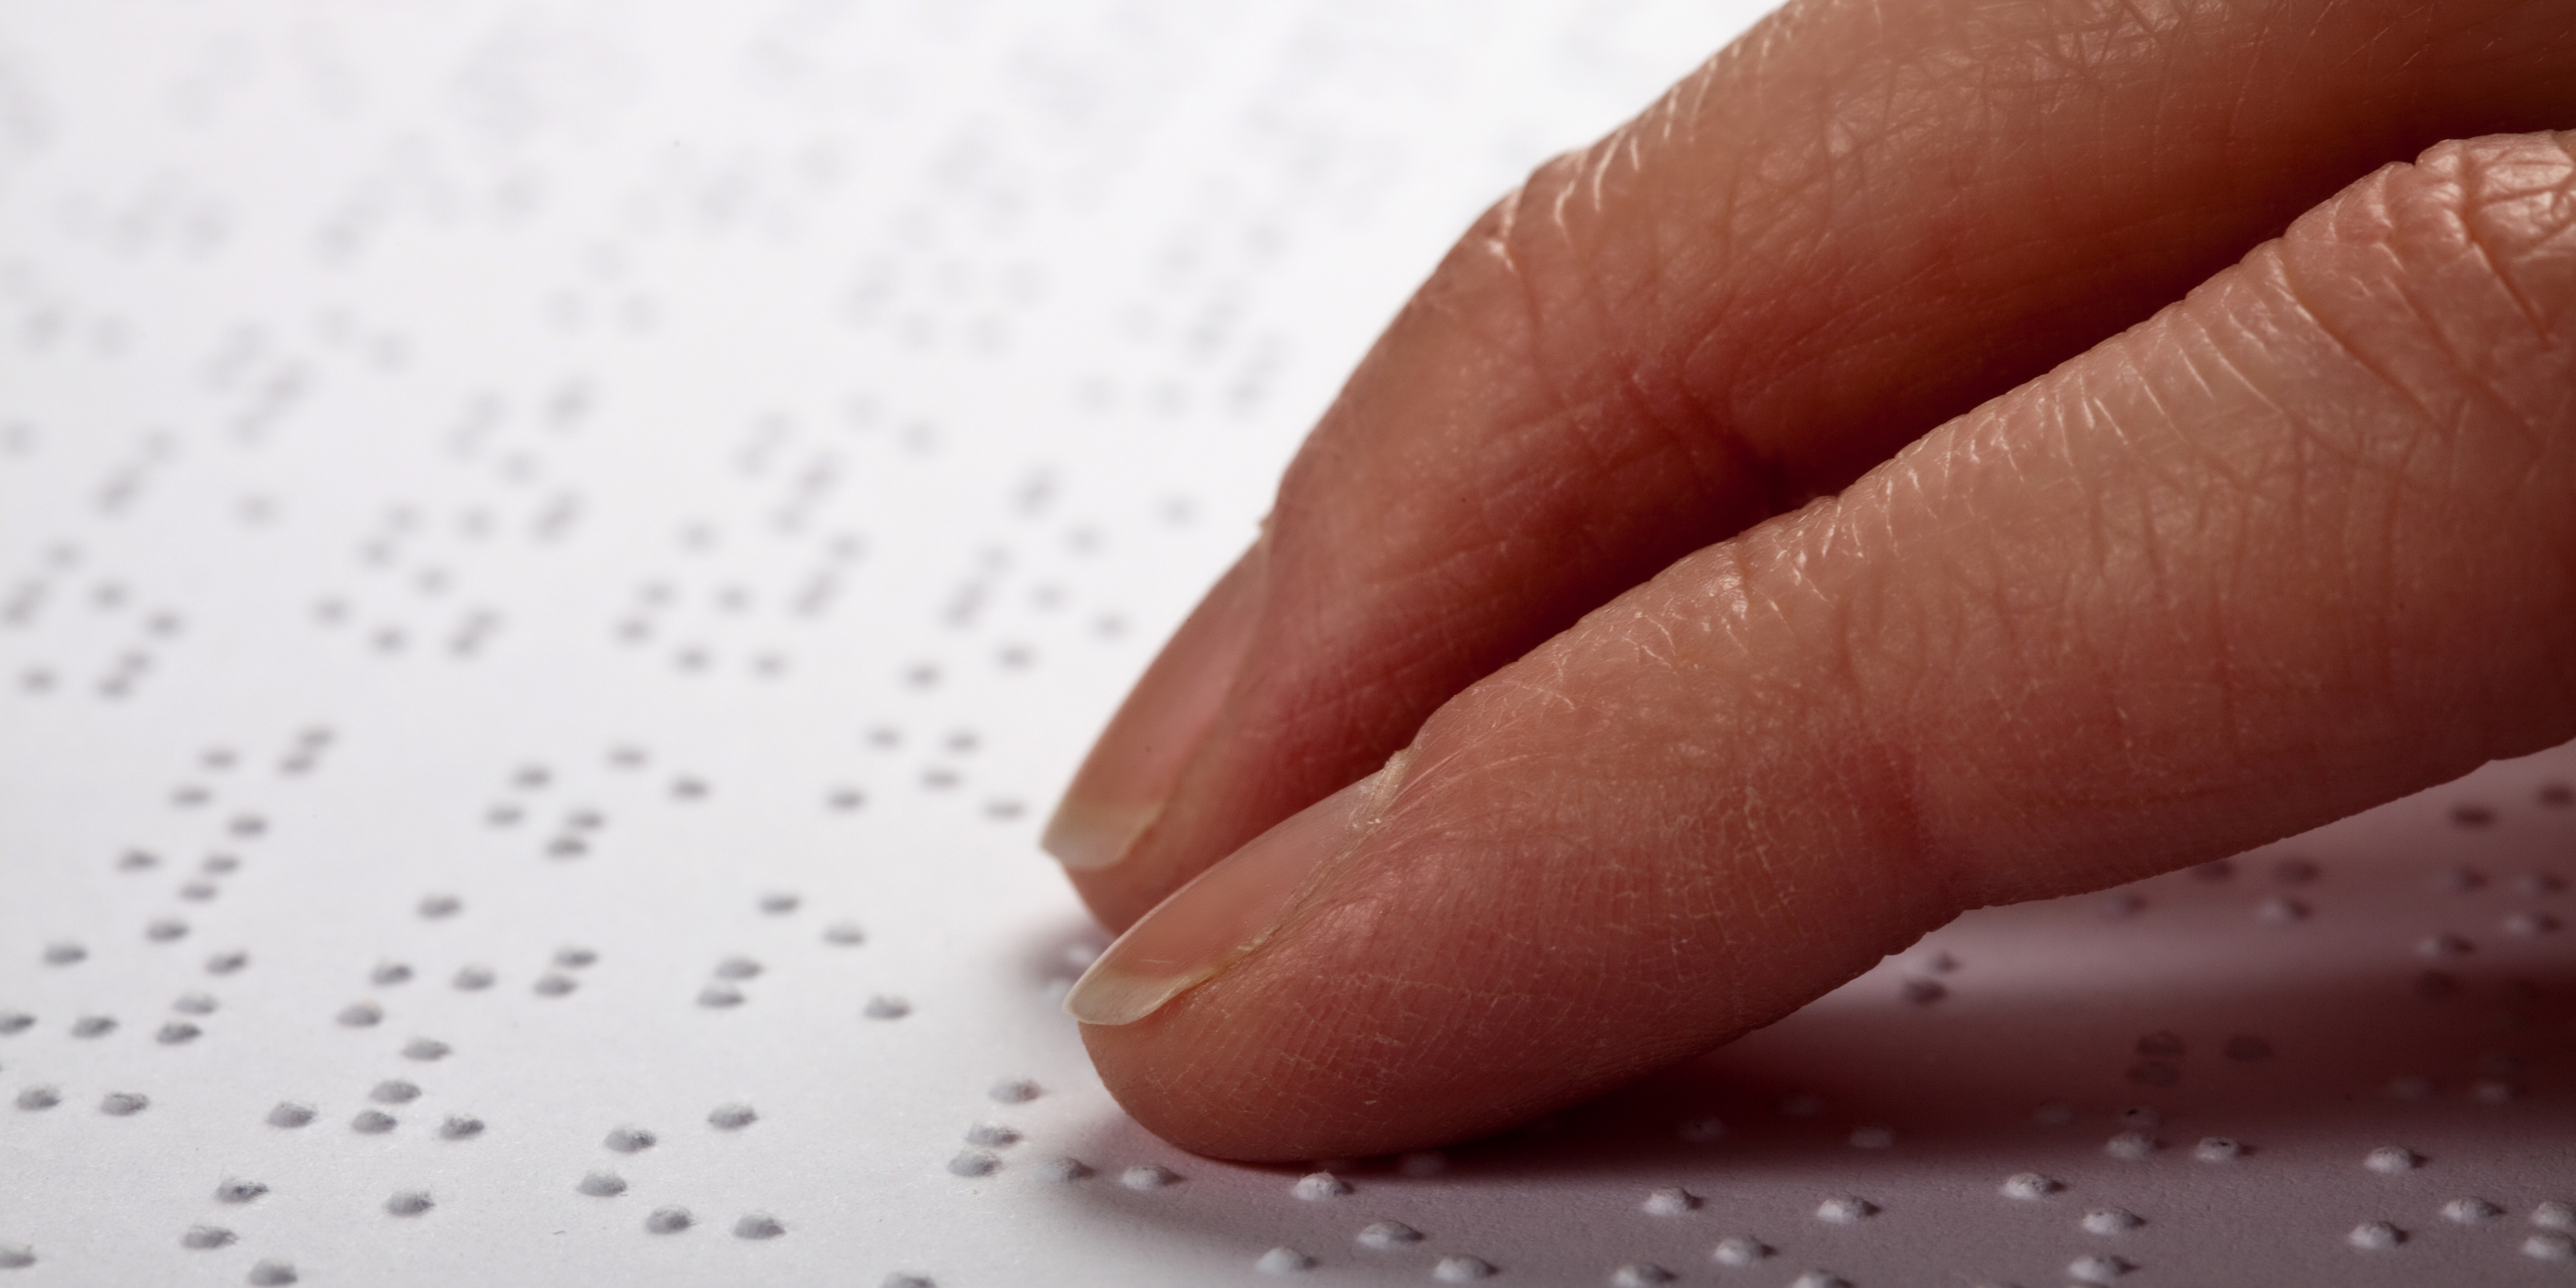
pixel 672 1219
pixel 577 832
pixel 939 776
pixel 2551 1242
pixel 24 610
pixel 172 1032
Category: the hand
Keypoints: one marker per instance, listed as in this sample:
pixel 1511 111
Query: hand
pixel 1761 541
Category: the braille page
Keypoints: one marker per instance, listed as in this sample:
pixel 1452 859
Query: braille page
pixel 554 556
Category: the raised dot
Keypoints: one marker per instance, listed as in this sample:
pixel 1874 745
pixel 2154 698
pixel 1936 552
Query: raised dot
pixel 187 1004
pixel 2281 911
pixel 1013 1091
pixel 2472 815
pixel 846 934
pixel 2120 905
pixel 601 1185
pixel 1873 1136
pixel 473 978
pixel 1319 1186
pixel 2130 1146
pixel 630 1140
pixel 394 1091
pixel 2493 1091
pixel 737 968
pixel 2458 880
pixel 2549 1246
pixel 175 1032
pixel 2539 883
pixel 2030 1185
pixel 669 1220
pixel 205 1237
pixel 982 1162
pixel 732 1116
pixel 425 1049
pixel 1640 1274
pixel 1460 1270
pixel 1922 992
pixel 1670 1201
pixel 233 1189
pixel 2471 1211
pixel 409 1202
pixel 2551 1214
pixel 2529 924
pixel 1845 1209
pixel 40 1096
pixel 388 974
pixel 2392 1159
pixel 225 963
pixel 373 1122
pixel 779 903
pixel 993 1134
pixel 1739 1250
pixel 360 1015
pixel 905 1279
pixel 2443 945
pixel 882 1007
pixel 436 906
pixel 122 1104
pixel 555 984
pixel 2097 1268
pixel 1283 1261
pixel 1148 1176
pixel 1387 1236
pixel 289 1113
pixel 1819 1279
pixel 2294 872
pixel 272 1274
pixel 14 1022
pixel 162 930
pixel 93 1026
pixel 2111 1221
pixel 719 995
pixel 16 1256
pixel 2375 1236
pixel 757 1225
pixel 2217 1149
pixel 1061 1170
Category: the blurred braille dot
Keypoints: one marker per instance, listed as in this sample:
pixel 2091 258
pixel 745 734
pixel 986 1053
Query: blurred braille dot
pixel 190 1004
pixel 1063 1170
pixel 2391 1159
pixel 1459 1270
pixel 732 1117
pixel 1319 1186
pixel 2130 1146
pixel 288 1113
pixel 409 1202
pixel 2097 1268
pixel 2120 905
pixel 2458 880
pixel 460 1127
pixel 205 1237
pixel 174 1032
pixel 390 973
pixel 2471 1211
pixel 1387 1236
pixel 373 1122
pixel 473 978
pixel 1013 1091
pixel 439 905
pixel 1640 1274
pixel 2217 1149
pixel 39 1096
pixel 272 1274
pixel 2110 1221
pixel 1739 1250
pixel 64 953
pixel 122 1104
pixel 1845 1209
pixel 197 891
pixel 630 1140
pixel 360 1015
pixel 2375 1236
pixel 882 1007
pixel 394 1091
pixel 572 957
pixel 602 1185
pixel 16 1256
pixel 974 1162
pixel 2443 945
pixel 719 995
pixel 758 1226
pixel 93 1026
pixel 2472 815
pixel 15 1022
pixel 163 930
pixel 1147 1176
pixel 844 933
pixel 2549 1246
pixel 1283 1261
pixel 138 861
pixel 220 865
pixel 2029 1185
pixel 2554 1214
pixel 1670 1201
pixel 1922 992
pixel 900 1279
pixel 1873 1137
pixel 737 968
pixel 2557 795
pixel 779 903
pixel 1819 1279
pixel 226 963
pixel 2529 924
pixel 2281 911
pixel 554 984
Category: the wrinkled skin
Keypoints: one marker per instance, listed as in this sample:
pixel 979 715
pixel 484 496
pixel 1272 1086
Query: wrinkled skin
pixel 1944 452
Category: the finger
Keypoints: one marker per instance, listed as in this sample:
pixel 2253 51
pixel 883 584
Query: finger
pixel 2302 543
pixel 1860 220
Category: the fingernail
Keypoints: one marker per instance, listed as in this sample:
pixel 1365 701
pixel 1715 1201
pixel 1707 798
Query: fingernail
pixel 1225 914
pixel 1138 761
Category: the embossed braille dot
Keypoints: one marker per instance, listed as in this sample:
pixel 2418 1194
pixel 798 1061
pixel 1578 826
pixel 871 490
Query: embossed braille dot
pixel 1640 1274
pixel 2375 1236
pixel 162 930
pixel 373 1122
pixel 2493 1091
pixel 2443 945
pixel 1819 1279
pixel 93 1026
pixel 2458 880
pixel 2529 924
pixel 1387 1236
pixel 425 1049
pixel 289 1113
pixel 409 1202
pixel 2392 1159
pixel 882 1007
pixel 39 1096
pixel 1670 1201
pixel 387 974
pixel 2130 1146
pixel 205 1237
pixel 737 968
pixel 668 1220
pixel 360 1015
pixel 2549 1246
pixel 225 963
pixel 2120 905
pixel 64 953
pixel 2281 911
pixel 2097 1268
pixel 1319 1186
pixel 16 1256
pixel 461 1127
pixel 554 984
pixel 1922 992
pixel 901 1279
pixel 14 1022
pixel 197 891
pixel 1872 1136
pixel 992 1134
pixel 473 979
pixel 779 903
pixel 1845 1209
pixel 2553 1214
pixel 2030 1185
pixel 1061 1170
pixel 1283 1261
pixel 2111 1221
pixel 122 1104
pixel 2294 871
pixel 845 934
pixel 175 1032
pixel 1148 1176
pixel 1739 1250
pixel 719 995
pixel 2471 1211
pixel 1013 1091
pixel 602 1185
pixel 757 1225
pixel 732 1116
pixel 630 1140
pixel 2217 1149
pixel 272 1274
pixel 1460 1270
pixel 983 1162
pixel 394 1091
pixel 187 1004
pixel 436 906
